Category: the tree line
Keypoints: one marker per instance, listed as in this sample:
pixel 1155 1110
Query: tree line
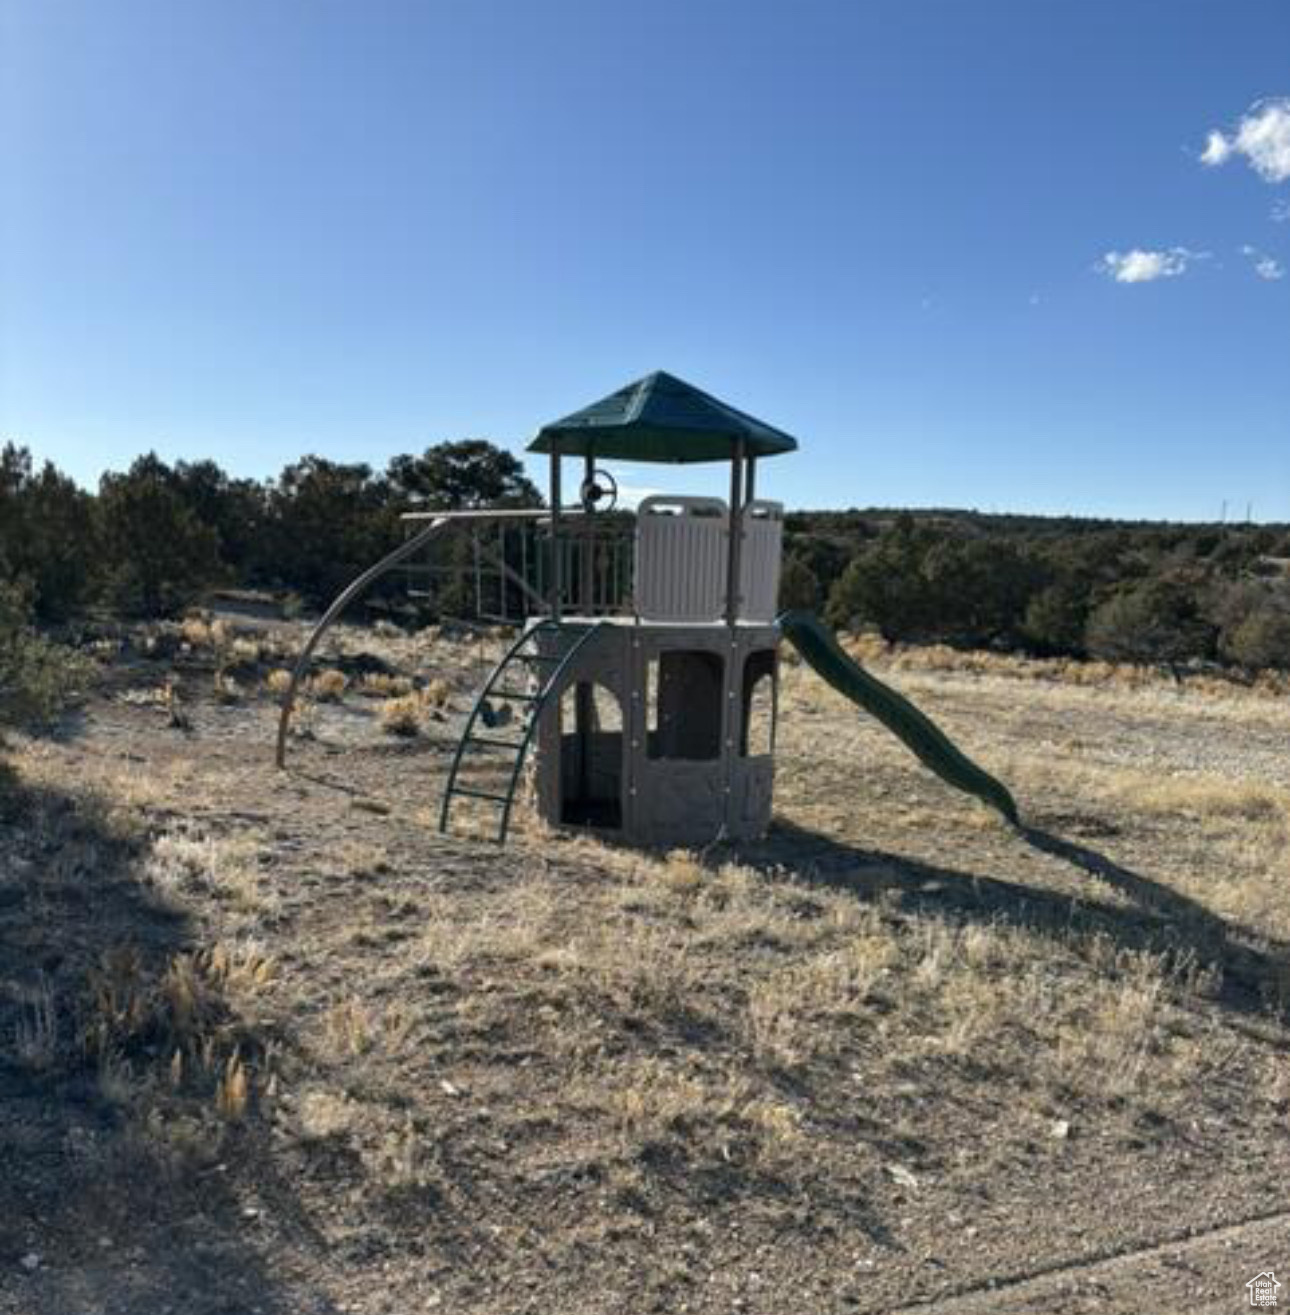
pixel 157 537
pixel 1164 594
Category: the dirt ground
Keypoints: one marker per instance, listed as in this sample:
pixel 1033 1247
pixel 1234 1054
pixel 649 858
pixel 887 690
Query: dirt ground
pixel 270 1043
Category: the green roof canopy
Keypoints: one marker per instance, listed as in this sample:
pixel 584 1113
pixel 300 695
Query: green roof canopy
pixel 661 418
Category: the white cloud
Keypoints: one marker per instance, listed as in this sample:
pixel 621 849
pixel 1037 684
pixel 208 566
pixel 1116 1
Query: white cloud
pixel 1139 266
pixel 1217 149
pixel 1281 212
pixel 1265 266
pixel 1262 137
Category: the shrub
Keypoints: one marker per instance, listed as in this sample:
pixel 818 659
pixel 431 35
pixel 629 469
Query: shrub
pixel 799 587
pixel 381 685
pixel 1262 639
pixel 278 681
pixel 37 678
pixel 47 535
pixel 159 555
pixel 1056 618
pixel 916 583
pixel 1156 621
pixel 329 686
pixel 884 586
pixel 201 633
pixel 327 522
pixel 469 473
pixel 402 716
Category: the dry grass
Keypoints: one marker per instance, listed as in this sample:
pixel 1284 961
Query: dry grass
pixel 168 699
pixel 347 1029
pixel 654 1102
pixel 380 685
pixel 278 681
pixel 793 1010
pixel 394 1148
pixel 179 1034
pixel 403 716
pixel 1200 798
pixel 176 716
pixel 1229 837
pixel 1107 1043
pixel 322 1114
pixel 603 1042
pixel 232 1091
pixel 35 1039
pixel 227 689
pixel 304 715
pixel 248 649
pixel 153 696
pixel 329 685
pixel 185 1004
pixel 807 974
pixel 407 713
pixel 437 694
pixel 183 863
pixel 203 633
pixel 872 650
pixel 350 1028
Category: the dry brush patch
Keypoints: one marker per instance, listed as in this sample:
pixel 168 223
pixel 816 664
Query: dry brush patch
pixel 872 650
pixel 328 685
pixel 166 1024
pixel 571 1040
pixel 278 681
pixel 231 871
pixel 1224 842
pixel 382 685
pixel 783 978
pixel 406 714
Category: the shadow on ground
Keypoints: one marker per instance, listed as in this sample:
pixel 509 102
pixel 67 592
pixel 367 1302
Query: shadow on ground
pixel 102 1208
pixel 1254 972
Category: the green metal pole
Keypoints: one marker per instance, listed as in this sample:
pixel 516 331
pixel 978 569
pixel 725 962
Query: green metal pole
pixel 588 545
pixel 736 534
pixel 730 712
pixel 557 583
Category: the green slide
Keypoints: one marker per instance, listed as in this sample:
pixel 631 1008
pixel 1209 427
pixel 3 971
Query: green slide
pixel 929 743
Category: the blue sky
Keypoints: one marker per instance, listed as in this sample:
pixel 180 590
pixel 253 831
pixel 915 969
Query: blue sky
pixel 972 254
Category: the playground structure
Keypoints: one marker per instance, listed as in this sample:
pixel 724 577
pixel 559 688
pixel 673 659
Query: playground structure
pixel 645 673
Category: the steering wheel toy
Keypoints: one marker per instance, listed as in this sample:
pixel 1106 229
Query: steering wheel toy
pixel 599 491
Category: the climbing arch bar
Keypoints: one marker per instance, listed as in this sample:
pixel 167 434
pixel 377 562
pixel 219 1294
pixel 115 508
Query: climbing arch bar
pixel 433 523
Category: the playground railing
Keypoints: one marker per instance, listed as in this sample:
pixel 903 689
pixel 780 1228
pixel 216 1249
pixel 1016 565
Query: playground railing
pixel 666 562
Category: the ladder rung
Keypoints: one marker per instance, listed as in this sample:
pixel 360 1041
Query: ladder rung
pixel 480 794
pixel 492 743
pixel 540 657
pixel 513 694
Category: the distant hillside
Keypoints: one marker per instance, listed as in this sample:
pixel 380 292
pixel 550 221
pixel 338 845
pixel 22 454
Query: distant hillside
pixel 1138 591
pixel 1019 523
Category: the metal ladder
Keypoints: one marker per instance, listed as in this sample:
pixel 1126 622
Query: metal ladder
pixel 545 671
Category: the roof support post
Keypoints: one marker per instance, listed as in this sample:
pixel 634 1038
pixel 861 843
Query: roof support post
pixel 750 480
pixel 736 532
pixel 557 584
pixel 588 541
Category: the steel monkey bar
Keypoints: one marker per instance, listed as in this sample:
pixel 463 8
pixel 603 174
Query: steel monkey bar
pixel 439 522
